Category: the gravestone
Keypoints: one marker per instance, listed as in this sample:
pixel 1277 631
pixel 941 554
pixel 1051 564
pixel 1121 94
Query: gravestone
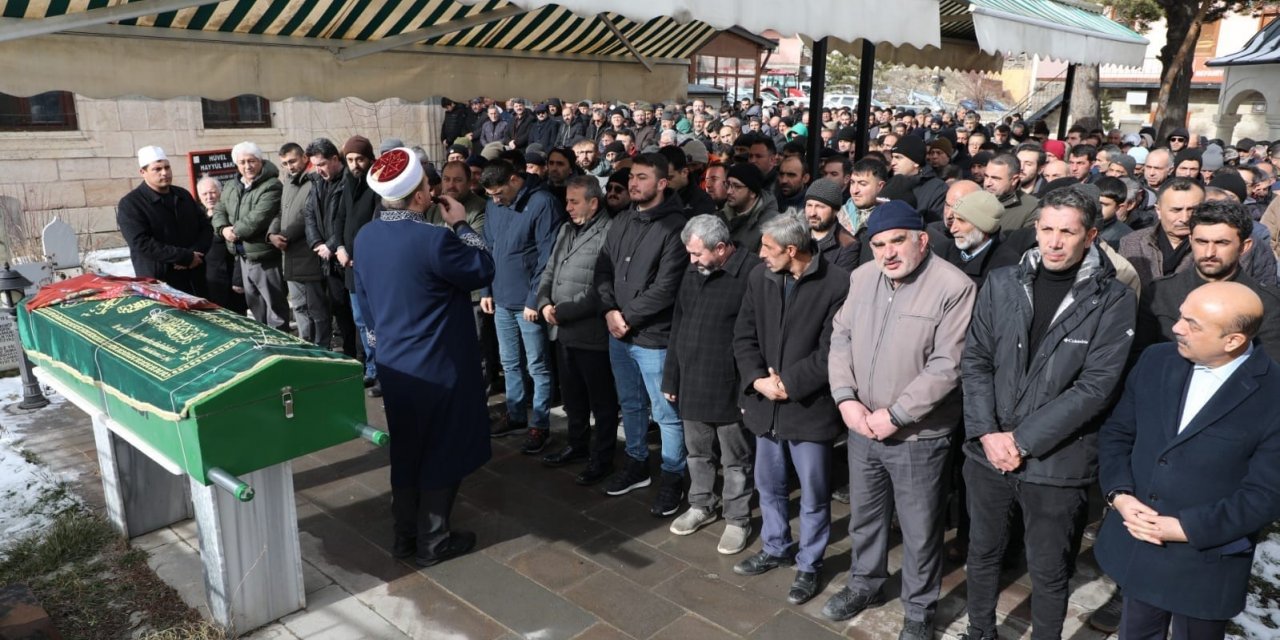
pixel 61 245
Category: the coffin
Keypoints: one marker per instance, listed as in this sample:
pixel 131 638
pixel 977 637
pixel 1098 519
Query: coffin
pixel 205 391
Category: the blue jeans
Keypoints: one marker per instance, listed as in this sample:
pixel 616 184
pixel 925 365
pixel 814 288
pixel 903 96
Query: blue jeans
pixel 370 369
pixel 637 372
pixel 513 331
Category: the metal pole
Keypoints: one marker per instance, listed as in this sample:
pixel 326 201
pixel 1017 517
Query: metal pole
pixel 866 77
pixel 1066 101
pixel 15 287
pixel 817 90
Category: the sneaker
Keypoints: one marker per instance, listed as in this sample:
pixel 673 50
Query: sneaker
pixel 847 603
pixel 916 630
pixel 634 476
pixel 803 587
pixel 692 520
pixel 974 634
pixel 761 563
pixel 505 426
pixel 734 539
pixel 595 472
pixel 1107 617
pixel 535 440
pixel 841 495
pixel 670 495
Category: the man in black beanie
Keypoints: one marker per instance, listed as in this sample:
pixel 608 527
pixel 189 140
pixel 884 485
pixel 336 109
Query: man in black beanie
pixel 930 192
pixel 748 206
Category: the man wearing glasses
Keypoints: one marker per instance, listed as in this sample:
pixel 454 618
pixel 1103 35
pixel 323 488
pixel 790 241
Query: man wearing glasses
pixel 1177 140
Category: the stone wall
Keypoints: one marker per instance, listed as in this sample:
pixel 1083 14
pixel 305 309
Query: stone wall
pixel 81 175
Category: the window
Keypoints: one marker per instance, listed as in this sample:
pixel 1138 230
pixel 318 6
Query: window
pixel 247 111
pixel 51 111
pixel 737 76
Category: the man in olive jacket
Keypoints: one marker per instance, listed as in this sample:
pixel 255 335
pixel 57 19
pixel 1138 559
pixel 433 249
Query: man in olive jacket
pixel 307 296
pixel 781 342
pixel 250 205
pixel 1043 360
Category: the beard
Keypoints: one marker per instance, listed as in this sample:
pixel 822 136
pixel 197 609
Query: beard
pixel 971 240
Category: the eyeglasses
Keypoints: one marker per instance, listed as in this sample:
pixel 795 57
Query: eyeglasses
pixel 734 185
pixel 1177 139
pixel 617 188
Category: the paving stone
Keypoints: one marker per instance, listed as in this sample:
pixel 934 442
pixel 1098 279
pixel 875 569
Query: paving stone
pixel 342 554
pixel 624 604
pixel 692 626
pixel 422 609
pixel 540 515
pixel 730 606
pixel 274 631
pixel 178 565
pixel 787 625
pixel 154 539
pixel 554 566
pixel 601 631
pixel 313 579
pixel 639 562
pixel 510 598
pixel 631 516
pixel 332 614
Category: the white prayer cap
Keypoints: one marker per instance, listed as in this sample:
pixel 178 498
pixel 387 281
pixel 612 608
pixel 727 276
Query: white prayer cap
pixel 396 174
pixel 147 155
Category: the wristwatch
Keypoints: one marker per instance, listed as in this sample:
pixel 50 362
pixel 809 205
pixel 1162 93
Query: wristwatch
pixel 1111 497
pixel 893 420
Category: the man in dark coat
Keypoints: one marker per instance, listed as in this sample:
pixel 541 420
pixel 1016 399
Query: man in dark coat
pixel 167 234
pixel 1043 358
pixel 568 302
pixel 638 274
pixel 455 124
pixel 307 297
pixel 322 215
pixel 359 205
pixel 700 377
pixel 930 192
pixel 1190 459
pixel 417 279
pixel 1220 236
pixel 781 342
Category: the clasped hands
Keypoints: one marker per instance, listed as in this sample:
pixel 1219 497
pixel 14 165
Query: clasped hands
pixel 876 425
pixel 1145 524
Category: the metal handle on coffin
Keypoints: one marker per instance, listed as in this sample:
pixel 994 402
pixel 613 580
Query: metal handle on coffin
pixel 231 484
pixel 376 436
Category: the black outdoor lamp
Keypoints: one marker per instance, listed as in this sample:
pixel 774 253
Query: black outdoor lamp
pixel 12 289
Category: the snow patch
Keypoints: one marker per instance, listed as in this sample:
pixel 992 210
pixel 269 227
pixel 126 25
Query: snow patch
pixel 1260 619
pixel 30 495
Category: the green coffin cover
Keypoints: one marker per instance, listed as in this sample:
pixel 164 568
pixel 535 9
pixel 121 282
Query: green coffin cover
pixel 205 388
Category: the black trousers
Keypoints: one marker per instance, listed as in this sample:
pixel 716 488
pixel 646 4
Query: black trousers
pixel 1141 621
pixel 343 319
pixel 587 389
pixel 1051 517
pixel 423 515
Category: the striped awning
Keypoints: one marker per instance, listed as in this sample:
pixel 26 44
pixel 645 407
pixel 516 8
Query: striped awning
pixel 1262 48
pixel 549 29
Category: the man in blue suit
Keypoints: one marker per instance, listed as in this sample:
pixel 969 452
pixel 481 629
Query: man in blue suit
pixel 1190 463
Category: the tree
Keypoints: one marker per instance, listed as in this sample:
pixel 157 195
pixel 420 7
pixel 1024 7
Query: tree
pixel 1085 107
pixel 1183 22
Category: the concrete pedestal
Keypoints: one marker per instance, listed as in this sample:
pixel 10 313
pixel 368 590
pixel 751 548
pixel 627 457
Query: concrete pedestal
pixel 252 561
pixel 141 495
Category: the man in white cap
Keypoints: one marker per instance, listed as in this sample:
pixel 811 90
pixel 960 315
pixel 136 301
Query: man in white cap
pixel 167 233
pixel 248 211
pixel 414 280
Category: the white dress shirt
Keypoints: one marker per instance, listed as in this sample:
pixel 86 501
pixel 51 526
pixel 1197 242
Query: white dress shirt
pixel 1205 382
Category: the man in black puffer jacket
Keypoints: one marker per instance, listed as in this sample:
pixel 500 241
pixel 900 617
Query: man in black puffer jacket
pixel 638 275
pixel 1043 361
pixel 359 204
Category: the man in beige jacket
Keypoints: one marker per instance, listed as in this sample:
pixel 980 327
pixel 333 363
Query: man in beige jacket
pixel 895 370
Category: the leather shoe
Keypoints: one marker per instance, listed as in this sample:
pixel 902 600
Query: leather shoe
pixel 803 588
pixel 595 472
pixel 569 454
pixel 404 547
pixel 459 543
pixel 760 563
pixel 847 603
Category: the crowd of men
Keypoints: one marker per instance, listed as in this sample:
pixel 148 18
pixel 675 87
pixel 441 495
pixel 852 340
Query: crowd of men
pixel 998 324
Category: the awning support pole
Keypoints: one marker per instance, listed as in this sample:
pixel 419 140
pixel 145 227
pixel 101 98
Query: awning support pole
pixel 817 89
pixel 617 33
pixel 866 77
pixel 1066 101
